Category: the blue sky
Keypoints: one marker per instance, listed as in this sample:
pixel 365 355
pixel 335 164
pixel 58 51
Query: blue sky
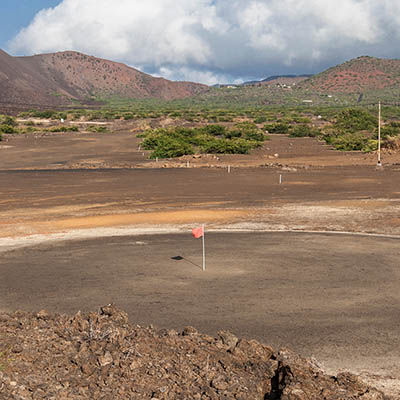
pixel 16 14
pixel 206 41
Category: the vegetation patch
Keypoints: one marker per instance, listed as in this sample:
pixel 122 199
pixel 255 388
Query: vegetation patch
pixel 4 128
pixel 278 127
pixel 47 114
pixel 355 120
pixel 64 128
pixel 7 124
pixel 97 128
pixel 213 139
pixel 346 129
pixel 350 141
pixel 304 130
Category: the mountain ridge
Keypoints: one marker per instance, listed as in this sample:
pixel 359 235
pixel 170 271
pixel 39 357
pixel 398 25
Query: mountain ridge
pixel 276 78
pixel 65 77
pixel 357 75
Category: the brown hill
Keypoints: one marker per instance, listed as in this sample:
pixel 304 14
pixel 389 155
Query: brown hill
pixel 20 83
pixel 358 75
pixel 59 78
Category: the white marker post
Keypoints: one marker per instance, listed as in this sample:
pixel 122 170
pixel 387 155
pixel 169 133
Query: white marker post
pixel 379 136
pixel 204 250
pixel 229 169
pixel 280 179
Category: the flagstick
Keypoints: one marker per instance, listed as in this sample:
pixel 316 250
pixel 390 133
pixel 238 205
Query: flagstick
pixel 379 136
pixel 204 251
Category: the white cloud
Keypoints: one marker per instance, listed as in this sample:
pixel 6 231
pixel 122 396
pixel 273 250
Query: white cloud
pixel 209 40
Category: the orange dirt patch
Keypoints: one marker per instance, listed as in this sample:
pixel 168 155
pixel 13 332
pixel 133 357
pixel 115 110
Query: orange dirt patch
pixel 172 217
pixel 191 216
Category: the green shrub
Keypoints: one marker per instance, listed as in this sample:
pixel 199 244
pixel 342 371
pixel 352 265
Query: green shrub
pixel 215 130
pixel 165 146
pixel 174 142
pixel 28 129
pixel 304 131
pixel 43 114
pixel 250 131
pixel 277 128
pixel 97 128
pixel 4 128
pixel 233 133
pixel 257 136
pixel 226 146
pixel 388 130
pixel 7 120
pixel 260 119
pixel 64 128
pixel 128 116
pixel 354 119
pixel 370 145
pixel 347 141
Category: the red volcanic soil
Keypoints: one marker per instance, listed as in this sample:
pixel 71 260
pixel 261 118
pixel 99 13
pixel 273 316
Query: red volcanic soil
pixel 58 78
pixel 360 74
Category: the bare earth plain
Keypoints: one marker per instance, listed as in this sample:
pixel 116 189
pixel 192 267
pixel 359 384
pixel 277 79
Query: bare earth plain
pixel 87 219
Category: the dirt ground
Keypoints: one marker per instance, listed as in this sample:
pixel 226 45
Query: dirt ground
pixel 121 149
pixel 334 297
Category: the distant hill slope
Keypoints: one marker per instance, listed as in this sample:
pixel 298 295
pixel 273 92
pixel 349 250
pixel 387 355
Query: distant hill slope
pixel 21 83
pixel 282 79
pixel 59 78
pixel 357 75
pixel 364 80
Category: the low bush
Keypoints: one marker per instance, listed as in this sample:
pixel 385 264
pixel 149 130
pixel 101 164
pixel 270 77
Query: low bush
pixel 355 119
pixel 227 146
pixel 304 131
pixel 7 120
pixel 48 114
pixel 97 128
pixel 64 128
pixel 388 130
pixel 215 130
pixel 260 119
pixel 215 139
pixel 166 146
pixel 43 114
pixel 278 127
pixel 356 141
pixel 301 120
pixel 28 129
pixel 5 128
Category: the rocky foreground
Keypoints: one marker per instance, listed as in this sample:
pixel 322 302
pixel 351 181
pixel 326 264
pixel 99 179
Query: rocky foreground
pixel 100 355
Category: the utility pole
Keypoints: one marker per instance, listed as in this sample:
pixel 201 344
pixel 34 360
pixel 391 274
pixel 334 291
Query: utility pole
pixel 379 136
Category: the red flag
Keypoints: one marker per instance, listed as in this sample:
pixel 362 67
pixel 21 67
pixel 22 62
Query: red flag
pixel 198 232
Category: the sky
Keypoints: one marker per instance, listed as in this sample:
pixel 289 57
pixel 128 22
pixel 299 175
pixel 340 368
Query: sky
pixel 208 41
